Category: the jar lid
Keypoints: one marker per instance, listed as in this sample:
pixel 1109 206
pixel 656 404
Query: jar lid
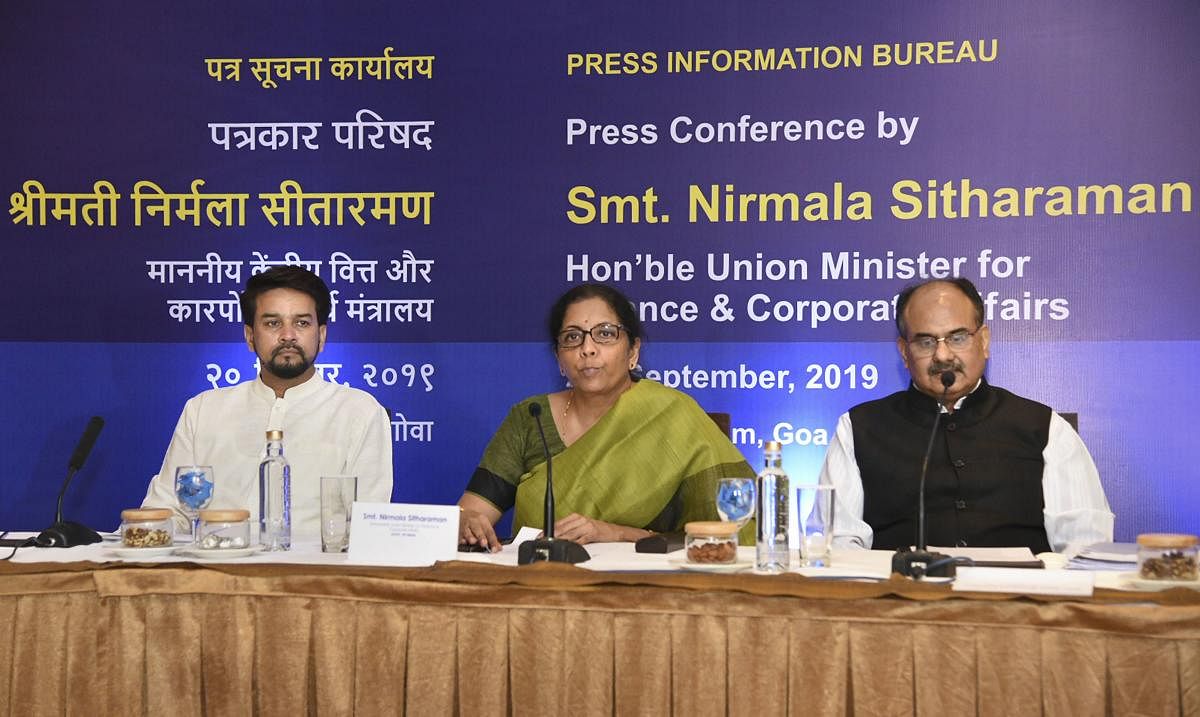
pixel 713 528
pixel 225 515
pixel 139 515
pixel 1166 540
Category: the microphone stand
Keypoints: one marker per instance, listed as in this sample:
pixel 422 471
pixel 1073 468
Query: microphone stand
pixel 547 548
pixel 919 562
pixel 65 533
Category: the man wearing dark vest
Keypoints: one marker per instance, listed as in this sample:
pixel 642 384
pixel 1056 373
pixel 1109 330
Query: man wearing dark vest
pixel 1005 471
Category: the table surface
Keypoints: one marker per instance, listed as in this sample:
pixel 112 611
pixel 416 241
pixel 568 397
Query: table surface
pixel 847 565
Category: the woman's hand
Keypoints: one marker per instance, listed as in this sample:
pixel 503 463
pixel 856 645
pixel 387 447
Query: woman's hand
pixel 584 530
pixel 476 521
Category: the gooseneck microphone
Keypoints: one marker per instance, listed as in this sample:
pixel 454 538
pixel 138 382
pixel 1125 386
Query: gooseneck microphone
pixel 535 410
pixel 920 562
pixel 64 533
pixel 947 379
pixel 547 548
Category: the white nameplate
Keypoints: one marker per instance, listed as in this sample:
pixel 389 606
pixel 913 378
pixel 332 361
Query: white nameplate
pixel 403 533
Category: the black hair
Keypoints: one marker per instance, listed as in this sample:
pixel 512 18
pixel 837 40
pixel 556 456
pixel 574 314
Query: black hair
pixel 285 277
pixel 618 302
pixel 963 284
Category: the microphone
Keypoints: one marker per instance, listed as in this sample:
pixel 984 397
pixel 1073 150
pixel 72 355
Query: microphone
pixel 547 548
pixel 920 562
pixel 535 410
pixel 64 533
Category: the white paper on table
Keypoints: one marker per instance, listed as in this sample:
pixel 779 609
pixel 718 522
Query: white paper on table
pixel 1111 552
pixel 507 554
pixel 849 564
pixel 1024 581
pixel 623 557
pixel 525 534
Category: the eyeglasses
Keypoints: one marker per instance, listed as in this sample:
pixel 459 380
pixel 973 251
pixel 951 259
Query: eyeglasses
pixel 602 334
pixel 958 341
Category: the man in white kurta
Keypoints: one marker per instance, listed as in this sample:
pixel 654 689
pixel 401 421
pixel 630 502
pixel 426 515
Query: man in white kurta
pixel 328 429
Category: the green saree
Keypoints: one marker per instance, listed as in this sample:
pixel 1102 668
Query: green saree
pixel 653 443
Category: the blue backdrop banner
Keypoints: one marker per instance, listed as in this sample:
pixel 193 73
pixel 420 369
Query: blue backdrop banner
pixel 761 178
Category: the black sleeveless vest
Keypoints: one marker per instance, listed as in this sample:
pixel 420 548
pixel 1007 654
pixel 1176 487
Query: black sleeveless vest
pixel 984 486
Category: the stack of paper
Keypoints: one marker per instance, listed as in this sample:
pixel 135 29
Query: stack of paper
pixel 1105 556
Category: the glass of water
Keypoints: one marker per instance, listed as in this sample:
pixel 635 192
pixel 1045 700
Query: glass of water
pixel 194 490
pixel 338 494
pixel 814 511
pixel 735 499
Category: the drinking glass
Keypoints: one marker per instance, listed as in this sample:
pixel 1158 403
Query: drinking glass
pixel 735 499
pixel 338 494
pixel 814 520
pixel 194 489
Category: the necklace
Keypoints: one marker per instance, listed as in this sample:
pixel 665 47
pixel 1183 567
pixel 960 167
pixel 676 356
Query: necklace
pixel 568 406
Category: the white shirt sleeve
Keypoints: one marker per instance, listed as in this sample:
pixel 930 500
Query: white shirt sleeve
pixel 841 470
pixel 372 461
pixel 1076 511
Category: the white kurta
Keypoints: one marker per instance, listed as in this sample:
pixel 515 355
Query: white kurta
pixel 328 429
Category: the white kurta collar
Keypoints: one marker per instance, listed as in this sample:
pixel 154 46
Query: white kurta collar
pixel 294 393
pixel 958 404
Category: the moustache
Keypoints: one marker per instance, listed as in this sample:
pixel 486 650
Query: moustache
pixel 937 368
pixel 286 347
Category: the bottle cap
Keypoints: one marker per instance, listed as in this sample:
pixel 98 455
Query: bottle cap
pixel 275 435
pixel 772 447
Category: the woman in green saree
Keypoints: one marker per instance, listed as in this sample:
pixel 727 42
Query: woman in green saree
pixel 631 456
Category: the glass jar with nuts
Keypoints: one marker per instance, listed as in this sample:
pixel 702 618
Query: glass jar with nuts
pixel 711 541
pixel 1167 556
pixel 147 528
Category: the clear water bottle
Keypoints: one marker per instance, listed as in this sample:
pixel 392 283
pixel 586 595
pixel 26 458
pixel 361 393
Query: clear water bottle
pixel 771 552
pixel 275 496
